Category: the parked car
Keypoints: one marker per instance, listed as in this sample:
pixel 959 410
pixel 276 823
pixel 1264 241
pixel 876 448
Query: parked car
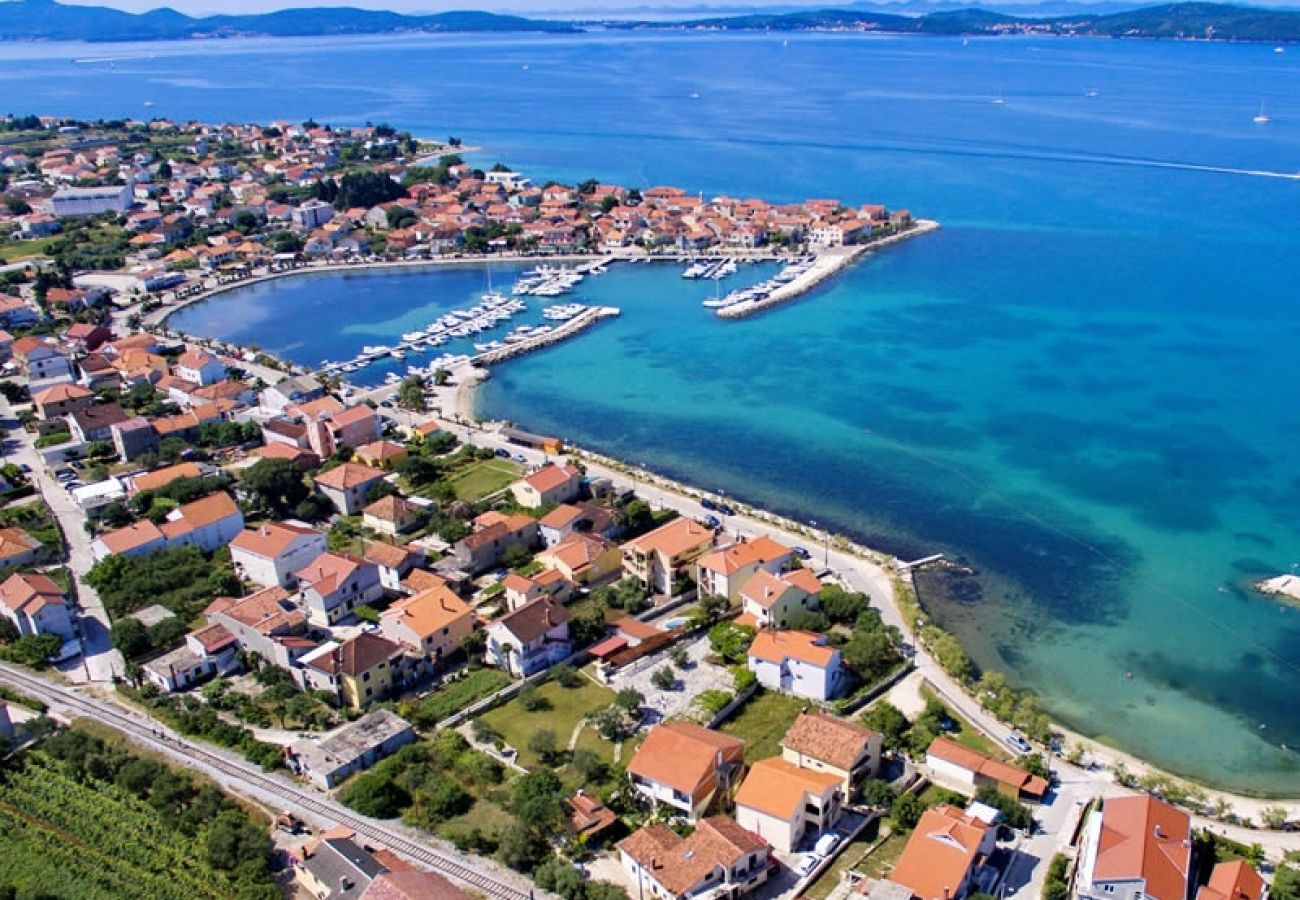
pixel 520 458
pixel 502 452
pixel 806 864
pixel 826 845
pixel 726 510
pixel 713 521
pixel 802 553
pixel 708 504
pixel 1016 741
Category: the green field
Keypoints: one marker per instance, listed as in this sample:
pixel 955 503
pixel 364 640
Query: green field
pixel 563 710
pixel 763 722
pixel 966 733
pixel 483 479
pixel 457 695
pixel 20 250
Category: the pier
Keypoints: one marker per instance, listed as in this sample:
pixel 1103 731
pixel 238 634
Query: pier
pixel 578 323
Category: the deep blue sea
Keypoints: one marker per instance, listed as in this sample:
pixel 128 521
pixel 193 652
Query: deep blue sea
pixel 1084 386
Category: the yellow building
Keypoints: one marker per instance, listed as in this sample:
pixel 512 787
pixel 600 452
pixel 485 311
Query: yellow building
pixel 358 671
pixel 583 558
pixel 658 557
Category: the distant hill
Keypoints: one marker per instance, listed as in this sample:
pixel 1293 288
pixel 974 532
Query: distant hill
pixel 50 21
pixel 1185 21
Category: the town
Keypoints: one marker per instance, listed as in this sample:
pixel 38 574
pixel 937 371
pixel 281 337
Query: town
pixel 382 618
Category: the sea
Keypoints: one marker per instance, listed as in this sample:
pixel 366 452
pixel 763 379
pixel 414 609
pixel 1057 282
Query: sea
pixel 1083 388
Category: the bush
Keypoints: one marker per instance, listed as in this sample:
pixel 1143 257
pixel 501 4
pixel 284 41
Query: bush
pixel 731 641
pixel 530 699
pixel 906 811
pixel 566 676
pixel 543 743
pixel 1014 813
pixel 664 679
pixel 1056 886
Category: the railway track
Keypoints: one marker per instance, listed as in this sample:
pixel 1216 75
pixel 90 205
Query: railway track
pixel 147 731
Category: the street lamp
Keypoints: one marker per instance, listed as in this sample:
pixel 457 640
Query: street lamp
pixel 826 544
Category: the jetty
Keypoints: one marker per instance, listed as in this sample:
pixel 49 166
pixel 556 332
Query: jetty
pixel 826 264
pixel 578 323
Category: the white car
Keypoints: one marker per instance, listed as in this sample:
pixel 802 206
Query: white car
pixel 806 864
pixel 826 845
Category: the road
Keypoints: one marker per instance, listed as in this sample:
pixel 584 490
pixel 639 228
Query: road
pixel 99 661
pixel 274 791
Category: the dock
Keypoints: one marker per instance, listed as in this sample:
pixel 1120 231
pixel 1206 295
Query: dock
pixel 577 324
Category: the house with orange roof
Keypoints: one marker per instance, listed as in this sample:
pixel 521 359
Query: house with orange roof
pixel 944 855
pixel 431 625
pixel 41 360
pixel 267 623
pixel 36 605
pixel 381 454
pixel 160 478
pixel 683 765
pixel 559 523
pixel 781 802
pixel 493 534
pixel 776 599
pixel 724 571
pixel 211 650
pixel 961 768
pixel 826 743
pixel 660 557
pixel 801 663
pixel 59 400
pixel 584 559
pixel 1135 848
pixel 299 457
pixel 394 562
pixel 199 367
pixel 390 515
pixel 357 672
pixel 521 590
pixel 272 552
pixel 352 426
pixel 334 584
pixel 347 485
pixel 208 523
pixel 548 485
pixel 18 548
pixel 1235 880
pixel 719 859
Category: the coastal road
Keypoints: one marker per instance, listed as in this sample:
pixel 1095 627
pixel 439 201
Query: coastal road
pixel 99 660
pixel 271 790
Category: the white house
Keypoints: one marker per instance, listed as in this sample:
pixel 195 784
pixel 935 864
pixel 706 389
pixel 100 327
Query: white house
pixel 683 765
pixel 347 486
pixel 797 662
pixel 1135 848
pixel 549 484
pixel 720 859
pixel 36 605
pixel 207 523
pixel 530 639
pixel 334 584
pixel 209 651
pixel 781 802
pixel 271 553
pixel 199 367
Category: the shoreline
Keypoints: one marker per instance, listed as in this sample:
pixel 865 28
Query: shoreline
pixel 465 408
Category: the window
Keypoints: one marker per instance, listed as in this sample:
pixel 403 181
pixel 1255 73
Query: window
pixel 365 677
pixel 1109 888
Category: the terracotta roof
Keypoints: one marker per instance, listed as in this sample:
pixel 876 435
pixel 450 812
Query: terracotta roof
pixel 805 580
pixel 391 509
pixel 129 537
pixel 534 619
pixel 563 515
pixel 390 556
pixel 28 592
pixel 270 539
pixel 213 637
pixel 578 551
pixel 412 885
pixel 328 570
pixel 422 579
pixel 352 415
pixel 1005 773
pixel 1236 880
pixel 679 864
pixel 278 450
pixel 195 359
pixel 779 788
pixel 356 656
pixel 381 450
pixel 732 559
pixel 61 393
pixel 205 511
pixel 268 611
pixel 589 816
pixel 428 612
pixel 548 478
pixel 766 589
pixel 673 539
pixel 836 742
pixel 348 475
pixel 151 481
pixel 682 755
pixel 16 542
pixel 805 646
pixel 943 847
pixel 1142 837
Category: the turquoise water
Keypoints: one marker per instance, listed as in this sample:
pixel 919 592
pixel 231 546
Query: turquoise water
pixel 1084 385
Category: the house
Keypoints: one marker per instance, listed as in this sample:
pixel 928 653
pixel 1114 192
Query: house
pixel 347 486
pixel 944 854
pixel 1235 880
pixel 381 454
pixel 1135 848
pixel 328 762
pixel 334 427
pixel 208 651
pixel 208 523
pixel 588 817
pixel 412 884
pixel 272 552
pixel 797 662
pixel 548 485
pixel 824 743
pixel 720 859
pixel 530 639
pixel 660 557
pixel 961 768
pixel 781 802
pixel 36 605
pixel 394 563
pixel 430 625
pixel 559 523
pixel 390 515
pixel 685 766
pixel 266 623
pixel 493 534
pixel 291 392
pixel 334 584
pixel 583 559
pixel 60 400
pixel 520 591
pixel 18 548
pixel 724 572
pixel 778 600
pixel 199 367
pixel 358 671
pixel 298 457
pixel 160 478
pixel 134 438
pixel 335 867
pixel 95 422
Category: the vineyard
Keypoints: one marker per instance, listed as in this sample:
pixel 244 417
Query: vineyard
pixel 84 837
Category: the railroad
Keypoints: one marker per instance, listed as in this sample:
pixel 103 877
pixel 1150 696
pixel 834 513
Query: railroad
pixel 151 733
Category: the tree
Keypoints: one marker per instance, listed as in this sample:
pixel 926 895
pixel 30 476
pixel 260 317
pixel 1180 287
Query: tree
pixel 664 679
pixel 522 848
pixel 731 641
pixel 538 800
pixel 629 700
pixel 1035 764
pixel 543 744
pixel 516 556
pixel 130 637
pixel 878 792
pixel 565 675
pixel 907 811
pixel 710 609
pixel 410 394
pixel 33 650
pixel 559 877
pixel 1014 813
pixel 232 842
pixel 275 484
pixel 890 722
pixel 530 699
pixel 590 766
pixel 679 657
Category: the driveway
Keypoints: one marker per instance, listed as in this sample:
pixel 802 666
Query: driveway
pixel 697 677
pixel 99 661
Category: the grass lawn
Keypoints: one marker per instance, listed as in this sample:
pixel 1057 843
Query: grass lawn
pixel 484 815
pixel 590 739
pixel 848 859
pixel 564 709
pixel 18 250
pixel 460 693
pixel 763 721
pixel 966 733
pixel 483 478
pixel 881 862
